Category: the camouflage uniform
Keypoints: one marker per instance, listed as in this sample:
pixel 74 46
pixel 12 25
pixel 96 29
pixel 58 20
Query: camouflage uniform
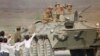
pixel 59 11
pixel 69 13
pixel 47 15
pixel 17 35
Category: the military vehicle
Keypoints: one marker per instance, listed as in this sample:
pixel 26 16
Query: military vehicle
pixel 78 36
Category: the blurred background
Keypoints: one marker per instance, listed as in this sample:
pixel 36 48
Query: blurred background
pixel 15 13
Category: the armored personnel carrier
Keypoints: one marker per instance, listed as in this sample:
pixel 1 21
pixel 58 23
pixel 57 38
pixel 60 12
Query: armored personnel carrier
pixel 78 36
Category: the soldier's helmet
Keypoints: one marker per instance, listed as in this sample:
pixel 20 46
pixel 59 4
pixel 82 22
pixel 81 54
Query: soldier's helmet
pixel 57 5
pixel 50 7
pixel 62 7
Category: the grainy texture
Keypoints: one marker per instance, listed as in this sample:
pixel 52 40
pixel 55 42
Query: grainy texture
pixel 15 13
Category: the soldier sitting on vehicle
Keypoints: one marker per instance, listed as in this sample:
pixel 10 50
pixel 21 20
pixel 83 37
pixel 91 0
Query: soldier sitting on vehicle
pixel 61 17
pixel 68 8
pixel 59 10
pixel 47 15
pixel 69 13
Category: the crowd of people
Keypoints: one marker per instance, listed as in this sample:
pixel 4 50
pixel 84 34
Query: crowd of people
pixel 18 41
pixel 50 14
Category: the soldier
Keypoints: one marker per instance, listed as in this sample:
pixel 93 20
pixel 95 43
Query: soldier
pixel 69 13
pixel 47 15
pixel 59 10
pixel 17 35
pixel 61 18
pixel 68 8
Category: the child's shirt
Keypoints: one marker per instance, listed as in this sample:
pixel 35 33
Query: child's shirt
pixel 5 47
pixel 27 43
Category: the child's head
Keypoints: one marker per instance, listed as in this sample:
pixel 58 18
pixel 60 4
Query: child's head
pixel 4 40
pixel 2 33
pixel 26 37
pixel 1 39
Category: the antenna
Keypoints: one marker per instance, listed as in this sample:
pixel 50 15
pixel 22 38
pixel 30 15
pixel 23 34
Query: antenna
pixel 76 16
pixel 84 9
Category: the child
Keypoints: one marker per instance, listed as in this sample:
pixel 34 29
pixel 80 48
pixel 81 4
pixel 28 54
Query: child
pixel 27 43
pixel 5 47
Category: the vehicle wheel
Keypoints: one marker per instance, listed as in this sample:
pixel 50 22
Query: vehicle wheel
pixel 34 48
pixel 40 47
pixel 48 48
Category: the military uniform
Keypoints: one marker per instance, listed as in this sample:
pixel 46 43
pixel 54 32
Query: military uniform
pixel 59 12
pixel 47 15
pixel 69 13
pixel 17 35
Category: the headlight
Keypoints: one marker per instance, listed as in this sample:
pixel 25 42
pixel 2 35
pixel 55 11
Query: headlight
pixel 97 25
pixel 51 30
